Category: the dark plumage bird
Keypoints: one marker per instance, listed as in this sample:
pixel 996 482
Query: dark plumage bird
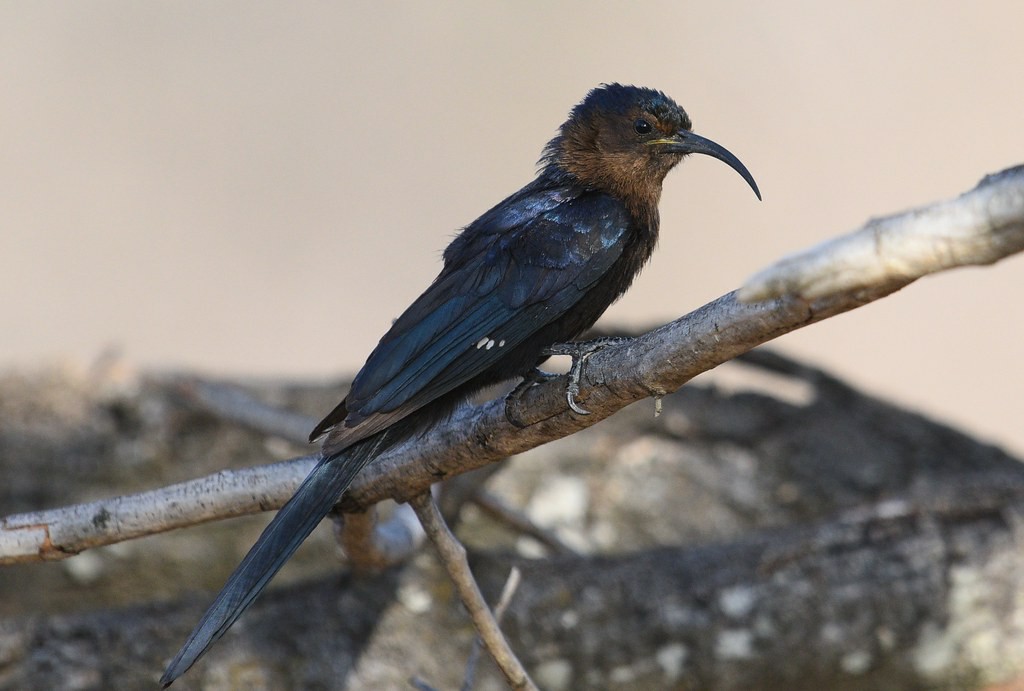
pixel 536 270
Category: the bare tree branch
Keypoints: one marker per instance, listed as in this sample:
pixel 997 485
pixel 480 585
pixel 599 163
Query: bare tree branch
pixel 979 227
pixel 64 532
pixel 664 359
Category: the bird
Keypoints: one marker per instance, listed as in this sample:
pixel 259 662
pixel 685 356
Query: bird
pixel 529 275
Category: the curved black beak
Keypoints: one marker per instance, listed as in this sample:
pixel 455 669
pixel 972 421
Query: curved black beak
pixel 686 142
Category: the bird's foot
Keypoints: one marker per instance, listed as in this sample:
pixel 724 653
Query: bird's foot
pixel 580 352
pixel 534 376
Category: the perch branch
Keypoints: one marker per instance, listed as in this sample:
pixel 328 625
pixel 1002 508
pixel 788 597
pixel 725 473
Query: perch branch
pixel 61 533
pixel 979 227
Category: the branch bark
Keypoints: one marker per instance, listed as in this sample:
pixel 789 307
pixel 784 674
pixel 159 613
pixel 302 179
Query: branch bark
pixel 61 533
pixel 977 228
pixel 664 359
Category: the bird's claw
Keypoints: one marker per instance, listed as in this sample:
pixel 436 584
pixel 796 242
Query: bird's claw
pixel 580 352
pixel 572 389
pixel 570 398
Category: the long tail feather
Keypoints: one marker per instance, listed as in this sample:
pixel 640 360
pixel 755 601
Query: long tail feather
pixel 289 528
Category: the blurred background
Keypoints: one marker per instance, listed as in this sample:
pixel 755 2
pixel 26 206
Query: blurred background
pixel 258 190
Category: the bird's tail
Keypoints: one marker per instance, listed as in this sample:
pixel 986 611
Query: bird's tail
pixel 292 524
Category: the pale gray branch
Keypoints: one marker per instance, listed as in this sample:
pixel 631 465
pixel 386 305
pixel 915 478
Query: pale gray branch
pixel 64 532
pixel 664 359
pixel 979 227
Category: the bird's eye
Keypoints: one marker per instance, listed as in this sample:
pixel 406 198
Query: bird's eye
pixel 641 126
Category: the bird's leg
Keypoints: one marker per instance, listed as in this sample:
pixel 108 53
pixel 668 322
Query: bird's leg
pixel 534 376
pixel 580 352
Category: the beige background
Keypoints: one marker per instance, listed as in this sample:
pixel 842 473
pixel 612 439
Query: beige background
pixel 259 190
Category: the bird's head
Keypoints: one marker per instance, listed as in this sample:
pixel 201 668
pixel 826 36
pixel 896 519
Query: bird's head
pixel 625 139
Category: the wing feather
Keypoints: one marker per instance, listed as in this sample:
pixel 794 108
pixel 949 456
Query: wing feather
pixel 504 279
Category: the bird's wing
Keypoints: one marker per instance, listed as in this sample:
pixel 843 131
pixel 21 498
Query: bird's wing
pixel 520 267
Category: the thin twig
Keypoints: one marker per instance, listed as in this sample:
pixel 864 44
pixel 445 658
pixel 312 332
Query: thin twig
pixel 515 576
pixel 453 556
